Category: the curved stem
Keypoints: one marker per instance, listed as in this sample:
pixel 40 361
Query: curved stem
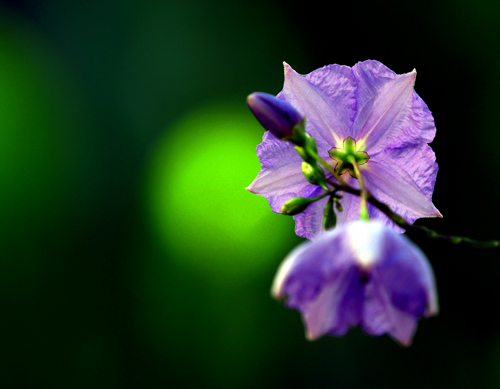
pixel 398 220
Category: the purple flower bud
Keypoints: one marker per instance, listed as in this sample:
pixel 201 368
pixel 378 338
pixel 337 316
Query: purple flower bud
pixel 275 115
pixel 361 274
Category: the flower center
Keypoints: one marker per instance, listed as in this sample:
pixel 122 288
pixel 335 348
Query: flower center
pixel 344 155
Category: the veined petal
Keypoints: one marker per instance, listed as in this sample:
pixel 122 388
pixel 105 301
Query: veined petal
pixel 418 161
pixel 395 187
pixel 384 105
pixel 326 97
pixel 401 289
pixel 280 177
pixel 321 281
pixel 380 317
pixel 337 307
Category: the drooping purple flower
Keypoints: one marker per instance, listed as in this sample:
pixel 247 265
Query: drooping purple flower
pixel 386 121
pixel 361 274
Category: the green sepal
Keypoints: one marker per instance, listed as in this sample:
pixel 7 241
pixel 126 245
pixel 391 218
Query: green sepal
pixel 304 143
pixel 343 157
pixel 311 145
pixel 298 135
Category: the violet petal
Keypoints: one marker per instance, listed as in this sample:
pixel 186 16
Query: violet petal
pixel 326 97
pixel 280 177
pixel 395 187
pixel 319 287
pixel 402 289
pixel 384 104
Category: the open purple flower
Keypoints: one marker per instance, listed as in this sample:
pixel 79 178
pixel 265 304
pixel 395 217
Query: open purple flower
pixel 359 274
pixel 389 127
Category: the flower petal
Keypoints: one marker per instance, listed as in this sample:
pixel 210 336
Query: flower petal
pixel 321 281
pixel 401 289
pixel 418 161
pixel 389 112
pixel 395 187
pixel 338 307
pixel 326 97
pixel 280 177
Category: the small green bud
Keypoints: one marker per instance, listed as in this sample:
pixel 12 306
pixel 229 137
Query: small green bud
pixel 338 205
pixel 314 174
pixel 329 216
pixel 296 205
pixel 301 152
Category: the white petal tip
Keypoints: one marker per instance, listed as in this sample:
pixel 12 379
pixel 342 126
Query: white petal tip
pixel 277 287
pixel 411 76
pixel 251 189
pixel 276 292
pixel 432 308
pixel 288 69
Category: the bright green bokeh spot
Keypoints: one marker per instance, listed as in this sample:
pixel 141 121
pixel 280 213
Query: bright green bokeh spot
pixel 198 199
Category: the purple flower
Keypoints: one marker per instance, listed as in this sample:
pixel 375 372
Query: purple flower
pixel 359 274
pixel 389 126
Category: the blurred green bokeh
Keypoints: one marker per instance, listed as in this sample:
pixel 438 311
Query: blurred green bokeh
pixel 38 152
pixel 198 201
pixel 131 256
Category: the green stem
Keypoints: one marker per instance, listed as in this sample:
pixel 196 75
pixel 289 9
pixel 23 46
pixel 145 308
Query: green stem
pixel 328 167
pixel 420 230
pixel 330 192
pixel 363 210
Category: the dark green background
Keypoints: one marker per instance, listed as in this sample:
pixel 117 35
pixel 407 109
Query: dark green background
pixel 130 254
